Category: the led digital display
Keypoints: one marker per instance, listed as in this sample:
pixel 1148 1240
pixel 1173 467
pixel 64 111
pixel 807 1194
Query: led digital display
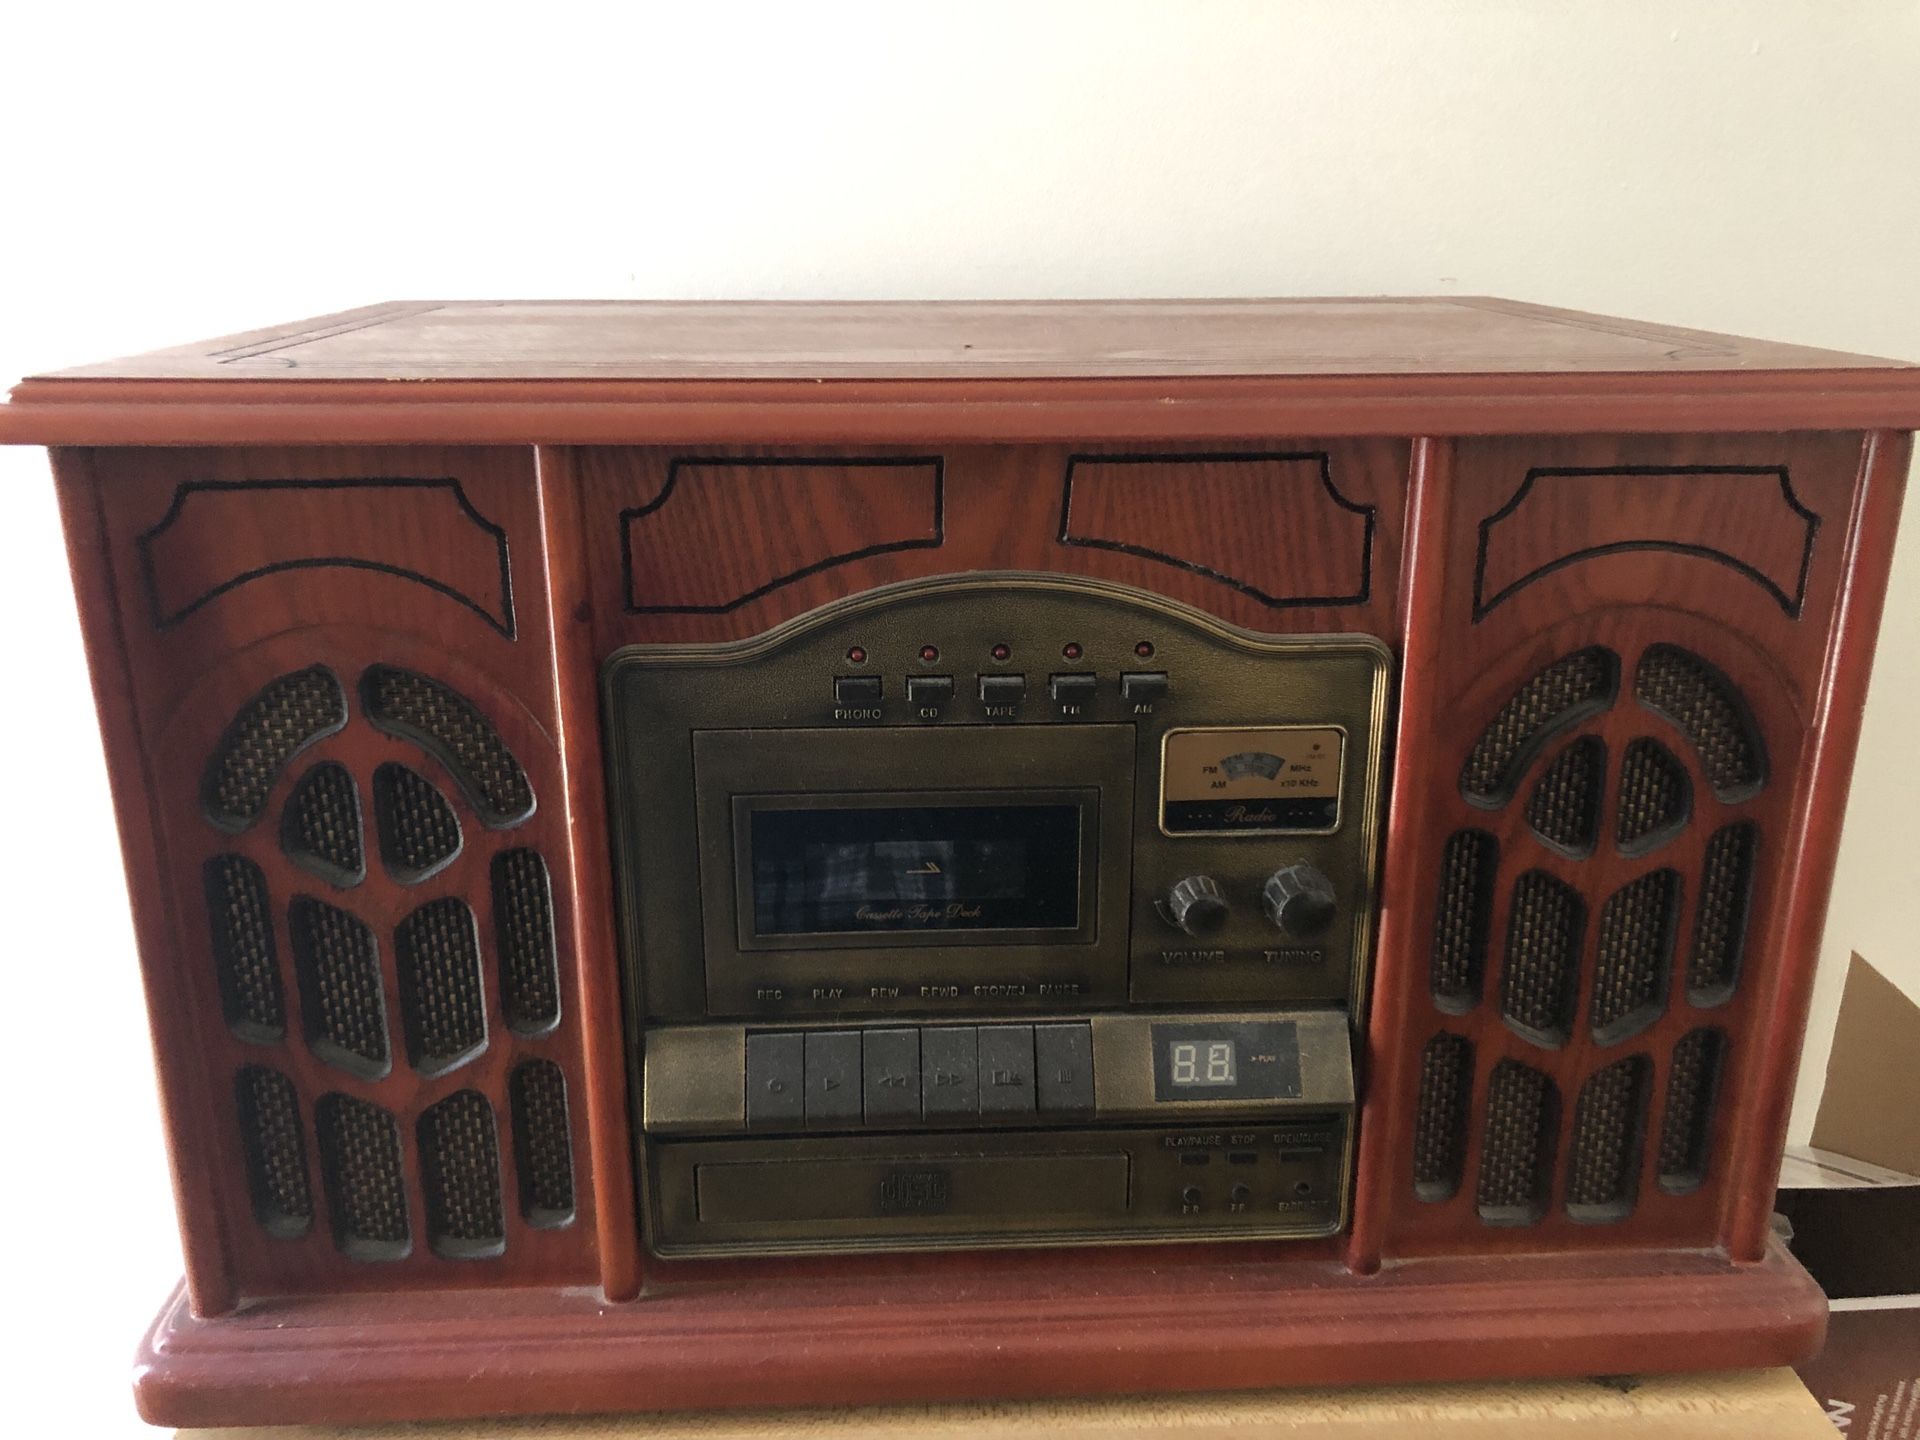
pixel 1226 1060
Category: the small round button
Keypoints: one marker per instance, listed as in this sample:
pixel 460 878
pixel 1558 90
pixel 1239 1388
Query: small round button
pixel 1241 1194
pixel 1190 1195
pixel 1299 900
pixel 1195 905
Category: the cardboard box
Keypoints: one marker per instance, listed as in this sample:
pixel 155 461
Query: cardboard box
pixel 1851 1201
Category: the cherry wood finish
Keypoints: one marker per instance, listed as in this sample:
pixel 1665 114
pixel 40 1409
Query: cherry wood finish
pixel 1814 839
pixel 1625 599
pixel 1485 486
pixel 613 372
pixel 1015 1327
pixel 971 339
pixel 185 678
pixel 876 516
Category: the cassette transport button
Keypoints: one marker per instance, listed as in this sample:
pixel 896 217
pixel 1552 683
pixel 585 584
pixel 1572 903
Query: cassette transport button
pixel 833 1079
pixel 776 1081
pixel 949 1071
pixel 1006 1069
pixel 890 1075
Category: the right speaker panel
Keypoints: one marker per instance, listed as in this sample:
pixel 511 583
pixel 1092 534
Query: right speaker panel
pixel 1621 708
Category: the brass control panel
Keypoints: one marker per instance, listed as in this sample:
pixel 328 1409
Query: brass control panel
pixel 986 910
pixel 1114 1127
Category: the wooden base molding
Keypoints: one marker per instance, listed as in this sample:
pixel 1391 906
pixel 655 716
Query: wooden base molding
pixel 1215 1322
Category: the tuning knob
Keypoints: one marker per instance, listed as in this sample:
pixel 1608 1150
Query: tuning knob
pixel 1299 900
pixel 1195 905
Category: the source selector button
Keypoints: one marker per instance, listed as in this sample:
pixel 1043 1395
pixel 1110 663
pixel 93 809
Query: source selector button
pixel 1072 690
pixel 1143 687
pixel 856 690
pixel 929 692
pixel 1002 691
pixel 1006 1069
pixel 890 1075
pixel 1063 1069
pixel 949 1072
pixel 776 1081
pixel 833 1079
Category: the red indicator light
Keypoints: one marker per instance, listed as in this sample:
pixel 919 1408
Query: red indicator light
pixel 1144 649
pixel 1071 650
pixel 929 653
pixel 857 655
pixel 1001 652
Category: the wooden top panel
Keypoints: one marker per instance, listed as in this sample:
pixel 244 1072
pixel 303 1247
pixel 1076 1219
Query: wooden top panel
pixel 654 340
pixel 828 372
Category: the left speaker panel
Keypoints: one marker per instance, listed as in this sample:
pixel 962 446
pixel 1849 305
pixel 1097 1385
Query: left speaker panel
pixel 328 692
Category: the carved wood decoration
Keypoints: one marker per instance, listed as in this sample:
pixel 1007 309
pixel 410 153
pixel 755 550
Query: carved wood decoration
pixel 218 535
pixel 348 677
pixel 820 515
pixel 1279 530
pixel 673 533
pixel 1746 518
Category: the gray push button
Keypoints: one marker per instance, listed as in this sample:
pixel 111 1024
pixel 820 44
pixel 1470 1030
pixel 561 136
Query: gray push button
pixel 1143 687
pixel 1006 1069
pixel 1063 1068
pixel 1076 689
pixel 930 691
pixel 776 1081
pixel 1002 689
pixel 833 1078
pixel 890 1074
pixel 949 1071
pixel 856 689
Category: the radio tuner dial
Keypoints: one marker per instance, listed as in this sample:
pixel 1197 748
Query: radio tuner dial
pixel 1195 905
pixel 1299 900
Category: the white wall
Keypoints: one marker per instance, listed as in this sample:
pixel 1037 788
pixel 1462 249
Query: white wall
pixel 180 171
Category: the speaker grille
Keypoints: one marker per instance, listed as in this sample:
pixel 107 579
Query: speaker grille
pixel 320 831
pixel 1608 1122
pixel 460 1175
pixel 419 833
pixel 1592 946
pixel 1516 1157
pixel 361 1170
pixel 1633 955
pixel 1655 797
pixel 1565 809
pixel 1693 1080
pixel 1460 924
pixel 1720 925
pixel 1540 975
pixel 1440 1127
pixel 287 715
pixel 329 1141
pixel 442 1003
pixel 443 1008
pixel 345 1011
pixel 542 1143
pixel 1706 708
pixel 275 1147
pixel 446 724
pixel 1573 687
pixel 241 923
pixel 524 941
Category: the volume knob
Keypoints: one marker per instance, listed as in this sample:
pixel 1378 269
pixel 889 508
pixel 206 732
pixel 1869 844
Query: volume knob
pixel 1195 905
pixel 1299 900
